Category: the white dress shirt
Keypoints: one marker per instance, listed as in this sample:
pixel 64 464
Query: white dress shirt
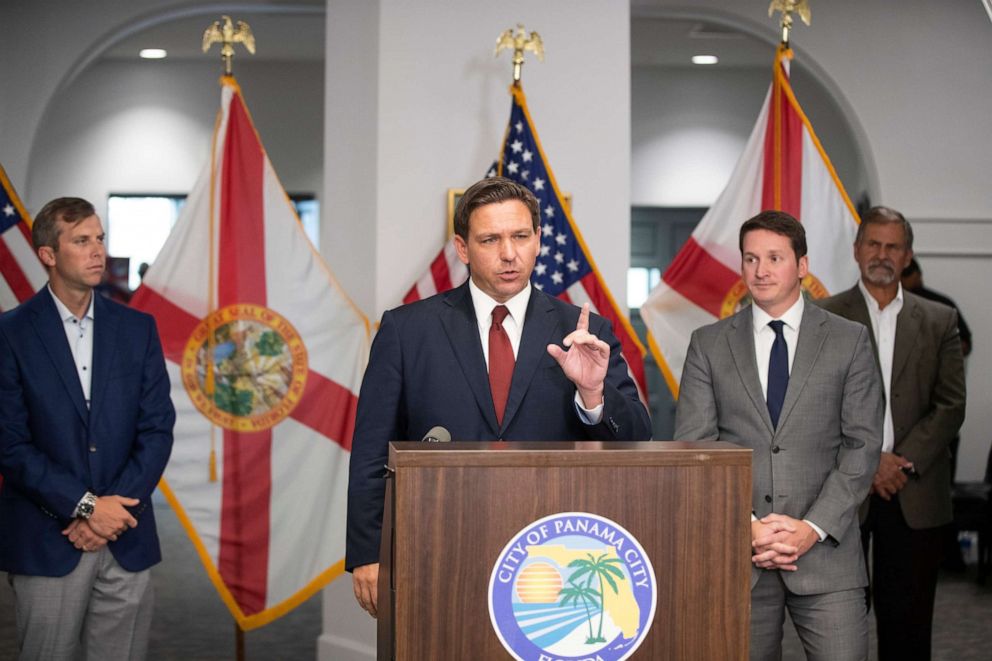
pixel 513 324
pixel 883 326
pixel 764 338
pixel 79 334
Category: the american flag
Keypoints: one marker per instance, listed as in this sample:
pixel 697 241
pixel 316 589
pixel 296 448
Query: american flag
pixel 21 272
pixel 564 268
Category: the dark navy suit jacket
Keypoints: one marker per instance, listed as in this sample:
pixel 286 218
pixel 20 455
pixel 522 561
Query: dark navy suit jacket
pixel 427 368
pixel 53 449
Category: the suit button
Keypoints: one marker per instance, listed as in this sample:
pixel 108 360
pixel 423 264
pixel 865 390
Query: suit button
pixel 768 499
pixel 775 450
pixel 92 448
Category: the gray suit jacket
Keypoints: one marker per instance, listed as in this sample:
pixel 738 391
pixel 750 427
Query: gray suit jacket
pixel 928 397
pixel 819 463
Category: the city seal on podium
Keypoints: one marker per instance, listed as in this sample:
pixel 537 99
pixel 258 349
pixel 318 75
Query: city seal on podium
pixel 245 367
pixel 573 586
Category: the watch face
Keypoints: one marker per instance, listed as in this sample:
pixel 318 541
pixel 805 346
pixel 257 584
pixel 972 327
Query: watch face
pixel 86 508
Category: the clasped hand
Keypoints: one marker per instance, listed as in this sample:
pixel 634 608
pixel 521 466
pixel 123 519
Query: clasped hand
pixel 109 520
pixel 778 541
pixel 585 361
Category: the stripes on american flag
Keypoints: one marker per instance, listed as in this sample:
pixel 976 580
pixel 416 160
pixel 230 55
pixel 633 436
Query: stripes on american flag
pixel 21 272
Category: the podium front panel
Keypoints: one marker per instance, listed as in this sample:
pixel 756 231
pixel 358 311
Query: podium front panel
pixel 457 505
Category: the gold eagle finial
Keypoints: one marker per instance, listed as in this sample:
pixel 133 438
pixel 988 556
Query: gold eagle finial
pixel 225 33
pixel 519 41
pixel 787 7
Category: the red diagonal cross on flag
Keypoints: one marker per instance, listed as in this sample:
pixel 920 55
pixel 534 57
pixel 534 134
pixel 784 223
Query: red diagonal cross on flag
pixel 266 355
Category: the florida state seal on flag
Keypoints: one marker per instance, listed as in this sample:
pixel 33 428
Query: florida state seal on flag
pixel 266 354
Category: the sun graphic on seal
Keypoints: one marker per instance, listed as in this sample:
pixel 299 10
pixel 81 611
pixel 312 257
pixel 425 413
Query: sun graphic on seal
pixel 245 367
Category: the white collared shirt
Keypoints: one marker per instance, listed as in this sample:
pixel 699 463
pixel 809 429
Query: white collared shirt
pixel 883 327
pixel 513 324
pixel 764 337
pixel 79 334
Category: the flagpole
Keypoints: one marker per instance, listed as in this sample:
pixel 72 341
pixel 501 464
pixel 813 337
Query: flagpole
pixel 226 34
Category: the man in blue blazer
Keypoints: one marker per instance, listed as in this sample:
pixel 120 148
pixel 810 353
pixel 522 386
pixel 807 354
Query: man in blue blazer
pixel 85 433
pixel 485 361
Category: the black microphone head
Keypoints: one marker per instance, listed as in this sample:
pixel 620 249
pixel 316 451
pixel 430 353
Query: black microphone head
pixel 437 435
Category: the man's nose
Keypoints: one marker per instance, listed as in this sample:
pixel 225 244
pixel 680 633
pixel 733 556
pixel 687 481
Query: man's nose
pixel 507 251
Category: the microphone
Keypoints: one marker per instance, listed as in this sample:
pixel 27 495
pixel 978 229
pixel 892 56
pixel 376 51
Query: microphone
pixel 437 435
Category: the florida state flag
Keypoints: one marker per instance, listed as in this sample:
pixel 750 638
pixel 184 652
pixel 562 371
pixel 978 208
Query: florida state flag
pixel 266 355
pixel 783 167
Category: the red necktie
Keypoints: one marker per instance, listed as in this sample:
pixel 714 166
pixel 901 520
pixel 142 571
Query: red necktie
pixel 500 361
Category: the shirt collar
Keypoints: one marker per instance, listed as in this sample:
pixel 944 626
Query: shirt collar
pixel 484 303
pixel 873 304
pixel 64 313
pixel 792 317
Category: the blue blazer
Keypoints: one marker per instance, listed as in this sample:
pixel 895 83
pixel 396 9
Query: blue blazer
pixel 53 449
pixel 427 368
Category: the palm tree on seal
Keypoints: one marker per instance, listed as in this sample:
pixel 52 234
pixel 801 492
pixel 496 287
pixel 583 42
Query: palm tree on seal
pixel 605 570
pixel 583 594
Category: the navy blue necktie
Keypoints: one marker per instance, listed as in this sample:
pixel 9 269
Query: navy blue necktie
pixel 778 372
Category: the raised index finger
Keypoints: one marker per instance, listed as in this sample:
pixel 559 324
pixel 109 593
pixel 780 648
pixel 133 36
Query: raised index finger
pixel 583 324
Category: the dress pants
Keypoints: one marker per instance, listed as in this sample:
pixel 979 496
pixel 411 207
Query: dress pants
pixel 832 626
pixel 98 610
pixel 904 566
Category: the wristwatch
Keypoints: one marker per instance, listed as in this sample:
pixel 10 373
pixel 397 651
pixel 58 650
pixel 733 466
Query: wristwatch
pixel 84 509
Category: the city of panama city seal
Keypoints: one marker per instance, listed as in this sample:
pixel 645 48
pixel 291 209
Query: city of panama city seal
pixel 245 367
pixel 570 587
pixel 737 296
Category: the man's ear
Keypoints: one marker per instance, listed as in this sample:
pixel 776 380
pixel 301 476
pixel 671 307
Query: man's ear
pixel 47 255
pixel 462 248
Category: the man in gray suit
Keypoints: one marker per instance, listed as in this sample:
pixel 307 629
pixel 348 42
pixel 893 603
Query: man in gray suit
pixel 918 349
pixel 799 387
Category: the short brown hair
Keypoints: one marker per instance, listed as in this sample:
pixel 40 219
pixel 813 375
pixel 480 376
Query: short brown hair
pixel 884 216
pixel 493 190
pixel 778 222
pixel 45 230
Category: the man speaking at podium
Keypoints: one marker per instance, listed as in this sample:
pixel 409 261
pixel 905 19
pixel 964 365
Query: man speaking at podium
pixel 799 386
pixel 494 359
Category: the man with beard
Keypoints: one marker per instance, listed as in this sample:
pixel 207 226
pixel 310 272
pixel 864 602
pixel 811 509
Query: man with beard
pixel 918 350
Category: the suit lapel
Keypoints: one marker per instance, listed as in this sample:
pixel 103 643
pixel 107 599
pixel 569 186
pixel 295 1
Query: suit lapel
pixel 857 310
pixel 462 329
pixel 812 333
pixel 106 323
pixel 50 330
pixel 741 341
pixel 540 324
pixel 907 328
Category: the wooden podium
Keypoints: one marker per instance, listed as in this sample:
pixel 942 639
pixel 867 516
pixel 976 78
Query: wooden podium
pixel 452 508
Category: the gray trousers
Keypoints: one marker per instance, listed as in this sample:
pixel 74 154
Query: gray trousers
pixel 97 611
pixel 832 626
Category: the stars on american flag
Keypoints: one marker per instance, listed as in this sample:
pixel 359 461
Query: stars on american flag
pixel 8 210
pixel 561 262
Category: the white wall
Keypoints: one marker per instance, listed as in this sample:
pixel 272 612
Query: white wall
pixel 435 119
pixel 689 126
pixel 145 127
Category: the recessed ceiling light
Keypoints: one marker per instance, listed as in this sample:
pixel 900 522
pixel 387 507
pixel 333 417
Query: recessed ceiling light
pixel 152 53
pixel 705 59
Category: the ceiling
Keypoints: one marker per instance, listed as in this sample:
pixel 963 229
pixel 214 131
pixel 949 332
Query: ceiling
pixel 300 37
